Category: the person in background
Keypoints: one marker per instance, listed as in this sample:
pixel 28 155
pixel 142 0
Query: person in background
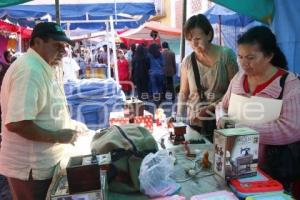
pixel 170 68
pixel 123 47
pixel 215 66
pixel 123 72
pixel 102 59
pixel 36 123
pixel 156 72
pixel 78 57
pixel 130 53
pixel 129 56
pixel 70 67
pixel 4 65
pixel 265 75
pixel 140 72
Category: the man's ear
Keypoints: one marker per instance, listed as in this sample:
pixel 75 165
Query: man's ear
pixel 37 41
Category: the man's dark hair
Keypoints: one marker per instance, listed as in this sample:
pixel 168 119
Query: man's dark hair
pixel 198 21
pixel 165 45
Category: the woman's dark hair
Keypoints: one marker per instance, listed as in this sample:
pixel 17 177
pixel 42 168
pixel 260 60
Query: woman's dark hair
pixel 140 53
pixel 165 45
pixel 154 50
pixel 133 49
pixel 198 21
pixel 263 36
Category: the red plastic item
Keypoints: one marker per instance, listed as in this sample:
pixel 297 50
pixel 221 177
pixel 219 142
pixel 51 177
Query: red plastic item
pixel 252 186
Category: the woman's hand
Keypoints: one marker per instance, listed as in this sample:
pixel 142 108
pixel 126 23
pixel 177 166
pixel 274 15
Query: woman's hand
pixel 225 122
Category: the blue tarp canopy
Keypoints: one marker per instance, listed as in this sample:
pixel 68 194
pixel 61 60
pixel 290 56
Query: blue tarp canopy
pixel 91 101
pixel 224 16
pixel 228 25
pixel 88 14
pixel 286 27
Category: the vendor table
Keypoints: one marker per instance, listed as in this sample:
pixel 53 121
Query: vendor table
pixel 205 181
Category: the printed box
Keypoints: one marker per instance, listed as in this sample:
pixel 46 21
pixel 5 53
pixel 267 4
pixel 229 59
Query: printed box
pixel 145 121
pixel 236 152
pixel 118 118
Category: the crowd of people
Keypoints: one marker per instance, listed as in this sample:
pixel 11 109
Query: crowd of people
pixel 148 71
pixel 209 77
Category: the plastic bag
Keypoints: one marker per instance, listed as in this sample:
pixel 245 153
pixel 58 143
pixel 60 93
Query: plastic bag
pixel 155 173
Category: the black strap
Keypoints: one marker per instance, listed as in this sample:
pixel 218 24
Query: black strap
pixel 127 138
pixel 134 150
pixel 282 83
pixel 197 77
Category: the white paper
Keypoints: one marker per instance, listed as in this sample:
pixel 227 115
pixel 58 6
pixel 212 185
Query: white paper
pixel 253 110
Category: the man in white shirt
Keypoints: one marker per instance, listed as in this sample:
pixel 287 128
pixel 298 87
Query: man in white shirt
pixel 36 124
pixel 70 67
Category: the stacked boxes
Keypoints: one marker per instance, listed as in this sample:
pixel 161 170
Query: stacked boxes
pixel 118 118
pixel 236 152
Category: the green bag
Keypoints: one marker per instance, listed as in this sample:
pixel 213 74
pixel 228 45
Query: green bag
pixel 128 145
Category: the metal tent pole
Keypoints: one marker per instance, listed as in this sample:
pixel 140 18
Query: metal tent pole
pixel 182 40
pixel 112 30
pixel 57 11
pixel 220 32
pixel 108 54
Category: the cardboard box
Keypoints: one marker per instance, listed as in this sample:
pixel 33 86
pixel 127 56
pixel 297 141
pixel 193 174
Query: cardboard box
pixel 118 118
pixel 83 172
pixel 236 152
pixel 146 120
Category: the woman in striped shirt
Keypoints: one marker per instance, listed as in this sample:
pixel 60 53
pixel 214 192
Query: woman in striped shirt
pixel 265 75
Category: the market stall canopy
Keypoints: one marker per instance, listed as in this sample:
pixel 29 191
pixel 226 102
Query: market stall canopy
pixel 261 10
pixel 85 14
pixel 5 3
pixel 228 25
pixel 283 18
pixel 221 15
pixel 25 32
pixel 144 31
